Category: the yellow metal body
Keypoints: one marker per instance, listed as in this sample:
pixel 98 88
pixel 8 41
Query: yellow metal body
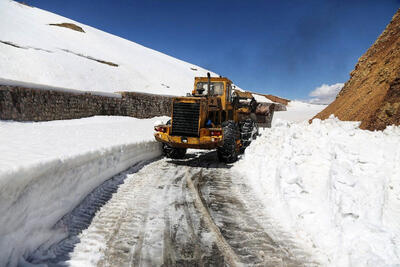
pixel 217 108
pixel 202 142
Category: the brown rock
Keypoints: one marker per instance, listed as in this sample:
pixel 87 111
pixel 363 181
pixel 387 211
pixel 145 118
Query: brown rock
pixel 372 95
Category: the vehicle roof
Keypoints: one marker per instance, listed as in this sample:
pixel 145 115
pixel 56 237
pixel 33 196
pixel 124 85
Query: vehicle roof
pixel 213 79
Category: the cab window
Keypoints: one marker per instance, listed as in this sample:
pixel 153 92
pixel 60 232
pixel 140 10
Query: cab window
pixel 216 87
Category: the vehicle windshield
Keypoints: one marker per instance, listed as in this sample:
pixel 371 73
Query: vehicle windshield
pixel 216 87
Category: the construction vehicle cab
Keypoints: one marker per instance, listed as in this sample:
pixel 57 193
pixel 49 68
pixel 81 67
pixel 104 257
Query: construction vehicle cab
pixel 213 116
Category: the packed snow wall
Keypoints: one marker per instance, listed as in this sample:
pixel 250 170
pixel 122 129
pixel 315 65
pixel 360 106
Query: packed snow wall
pixel 332 185
pixel 34 198
pixel 35 104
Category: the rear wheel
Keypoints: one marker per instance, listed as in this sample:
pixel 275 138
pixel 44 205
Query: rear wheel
pixel 229 151
pixel 173 152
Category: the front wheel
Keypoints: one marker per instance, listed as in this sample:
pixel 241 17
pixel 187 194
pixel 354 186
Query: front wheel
pixel 173 152
pixel 248 132
pixel 229 151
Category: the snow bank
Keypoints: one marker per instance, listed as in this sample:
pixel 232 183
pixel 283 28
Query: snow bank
pixel 33 51
pixel 333 185
pixel 298 111
pixel 47 168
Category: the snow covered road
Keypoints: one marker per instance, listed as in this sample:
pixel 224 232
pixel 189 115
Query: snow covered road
pixel 322 194
pixel 184 212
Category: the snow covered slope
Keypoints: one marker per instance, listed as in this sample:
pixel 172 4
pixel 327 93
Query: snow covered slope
pixel 333 185
pixel 33 51
pixel 47 168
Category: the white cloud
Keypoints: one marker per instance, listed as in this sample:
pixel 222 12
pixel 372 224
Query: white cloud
pixel 325 94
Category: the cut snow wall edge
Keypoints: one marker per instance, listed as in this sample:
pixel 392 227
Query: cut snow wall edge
pixel 46 192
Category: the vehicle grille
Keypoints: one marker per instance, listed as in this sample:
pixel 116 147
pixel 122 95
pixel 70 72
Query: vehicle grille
pixel 185 119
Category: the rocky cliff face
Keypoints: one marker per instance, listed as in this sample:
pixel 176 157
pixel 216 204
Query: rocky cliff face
pixel 372 95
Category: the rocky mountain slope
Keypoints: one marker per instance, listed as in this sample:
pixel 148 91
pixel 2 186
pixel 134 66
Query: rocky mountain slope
pixel 372 94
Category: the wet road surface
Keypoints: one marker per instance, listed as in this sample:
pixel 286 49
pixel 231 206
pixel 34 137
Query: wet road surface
pixel 190 212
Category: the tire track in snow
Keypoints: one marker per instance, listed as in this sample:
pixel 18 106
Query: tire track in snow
pixel 241 220
pixel 79 219
pixel 128 242
pixel 168 215
pixel 230 256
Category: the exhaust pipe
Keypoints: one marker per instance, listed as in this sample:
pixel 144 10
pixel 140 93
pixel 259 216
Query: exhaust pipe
pixel 208 84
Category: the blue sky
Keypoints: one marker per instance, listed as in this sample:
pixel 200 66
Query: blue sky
pixel 287 48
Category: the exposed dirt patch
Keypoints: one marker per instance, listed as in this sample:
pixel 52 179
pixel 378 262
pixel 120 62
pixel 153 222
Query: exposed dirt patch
pixel 24 47
pixel 12 44
pixel 165 85
pixel 103 62
pixel 372 95
pixel 92 58
pixel 39 49
pixel 69 26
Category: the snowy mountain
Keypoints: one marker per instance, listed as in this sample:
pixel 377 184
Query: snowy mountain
pixel 40 47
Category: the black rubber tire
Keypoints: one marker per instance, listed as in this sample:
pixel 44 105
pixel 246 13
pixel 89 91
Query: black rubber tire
pixel 229 151
pixel 173 152
pixel 248 132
